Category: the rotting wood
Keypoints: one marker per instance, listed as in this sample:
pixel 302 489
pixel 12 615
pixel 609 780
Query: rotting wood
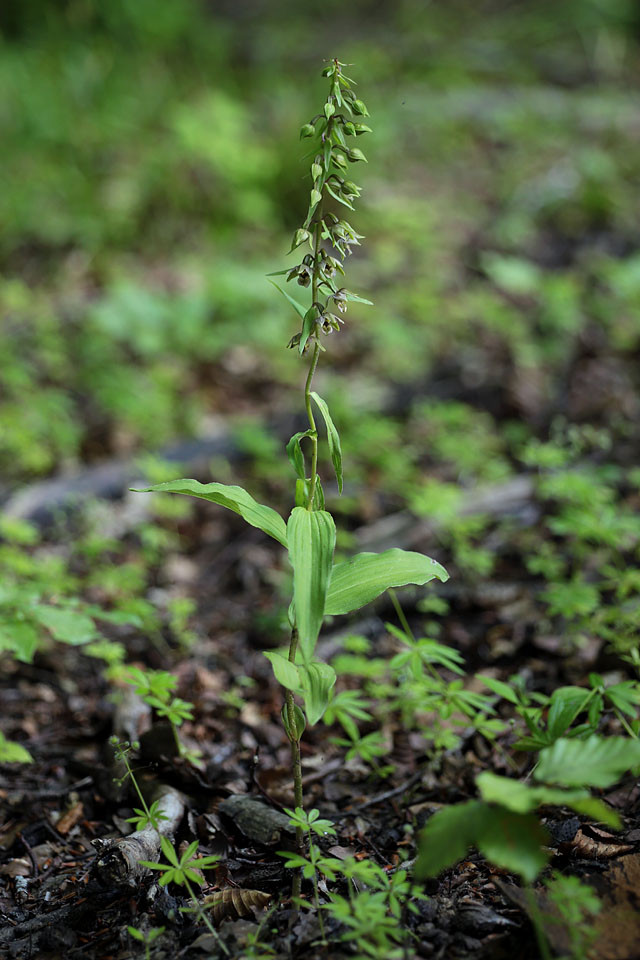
pixel 256 820
pixel 117 863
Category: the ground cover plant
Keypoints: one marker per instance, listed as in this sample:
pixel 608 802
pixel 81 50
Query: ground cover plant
pixel 469 776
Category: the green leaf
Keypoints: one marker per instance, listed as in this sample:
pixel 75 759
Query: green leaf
pixel 499 687
pixel 566 704
pixel 513 841
pixel 169 851
pixel 333 437
pixel 357 299
pixel 446 838
pixel 522 798
pixel 594 762
pixel 285 672
pixel 294 452
pixel 230 496
pixel 340 199
pixel 312 536
pixel 298 307
pixel 69 626
pixel 625 697
pixel 12 752
pixel 364 577
pixel 317 681
pixel 20 638
pixel 510 840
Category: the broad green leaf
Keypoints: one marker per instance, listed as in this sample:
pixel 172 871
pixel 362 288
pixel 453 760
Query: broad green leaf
pixel 566 704
pixel 233 498
pixel 294 451
pixel 312 537
pixel 69 626
pixel 513 841
pixel 298 307
pixel 446 838
pixel 594 762
pixel 12 752
pixel 317 681
pixel 333 437
pixel 522 798
pixel 285 672
pixel 20 638
pixel 364 577
pixel 510 840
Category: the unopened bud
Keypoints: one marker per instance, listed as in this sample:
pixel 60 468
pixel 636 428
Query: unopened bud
pixel 299 237
pixel 307 130
pixel 329 110
pixel 358 107
pixel 349 128
pixel 354 155
pixel 316 170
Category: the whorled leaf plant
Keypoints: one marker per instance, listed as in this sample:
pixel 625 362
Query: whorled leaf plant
pixel 320 586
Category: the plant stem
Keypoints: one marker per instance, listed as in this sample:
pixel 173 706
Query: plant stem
pixel 138 791
pixel 295 763
pixel 400 612
pixel 317 228
pixel 536 922
pixel 205 919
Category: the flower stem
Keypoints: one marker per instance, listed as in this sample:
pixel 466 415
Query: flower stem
pixel 317 228
pixel 295 763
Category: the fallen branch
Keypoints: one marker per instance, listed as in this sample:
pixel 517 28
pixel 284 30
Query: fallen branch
pixel 403 530
pixel 118 863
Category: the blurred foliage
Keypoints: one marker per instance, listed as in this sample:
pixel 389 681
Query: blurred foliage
pixel 149 154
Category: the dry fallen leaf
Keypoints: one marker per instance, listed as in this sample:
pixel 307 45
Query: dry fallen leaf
pixel 234 902
pixel 69 818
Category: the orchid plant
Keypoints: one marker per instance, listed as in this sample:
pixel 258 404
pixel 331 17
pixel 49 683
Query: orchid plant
pixel 321 587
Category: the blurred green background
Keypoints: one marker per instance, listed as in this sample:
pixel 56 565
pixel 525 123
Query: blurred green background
pixel 152 176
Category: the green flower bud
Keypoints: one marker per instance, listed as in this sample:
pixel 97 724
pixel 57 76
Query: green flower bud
pixel 316 197
pixel 307 130
pixel 349 128
pixel 361 128
pixel 339 161
pixel 329 110
pixel 316 170
pixel 358 107
pixel 299 237
pixel 354 155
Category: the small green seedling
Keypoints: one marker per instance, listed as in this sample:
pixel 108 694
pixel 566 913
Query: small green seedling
pixel 146 938
pixel 156 688
pixel 147 816
pixel 185 870
pixel 320 587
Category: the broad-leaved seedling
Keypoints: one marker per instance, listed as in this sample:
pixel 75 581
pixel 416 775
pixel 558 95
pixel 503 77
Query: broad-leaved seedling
pixel 320 586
